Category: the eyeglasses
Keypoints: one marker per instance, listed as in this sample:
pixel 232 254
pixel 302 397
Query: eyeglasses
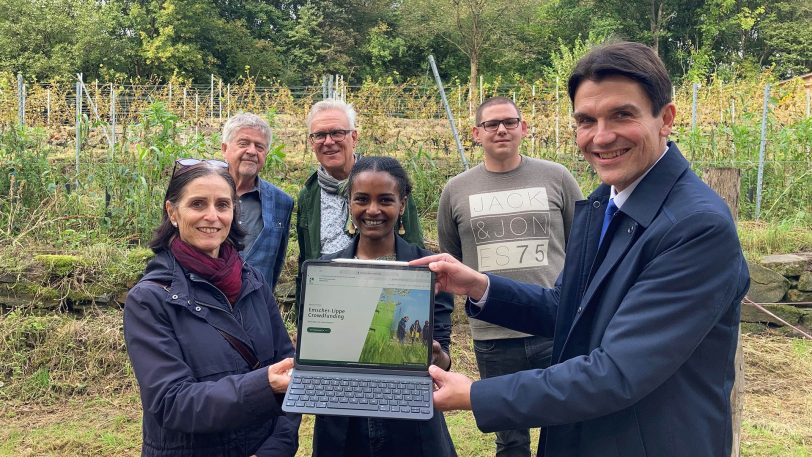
pixel 183 164
pixel 321 137
pixel 509 123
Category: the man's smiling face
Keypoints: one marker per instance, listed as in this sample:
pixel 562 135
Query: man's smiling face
pixel 616 130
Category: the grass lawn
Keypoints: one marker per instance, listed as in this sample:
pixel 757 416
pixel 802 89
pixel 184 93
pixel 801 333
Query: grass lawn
pixel 104 419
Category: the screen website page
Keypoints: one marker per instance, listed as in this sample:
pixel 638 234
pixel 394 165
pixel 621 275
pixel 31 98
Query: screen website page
pixel 366 316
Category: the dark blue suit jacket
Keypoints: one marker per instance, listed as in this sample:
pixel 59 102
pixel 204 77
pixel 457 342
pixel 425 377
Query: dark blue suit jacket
pixel 645 328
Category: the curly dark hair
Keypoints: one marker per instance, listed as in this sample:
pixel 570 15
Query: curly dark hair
pixel 386 165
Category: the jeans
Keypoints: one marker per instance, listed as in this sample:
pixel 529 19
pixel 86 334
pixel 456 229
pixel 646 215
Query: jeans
pixel 500 357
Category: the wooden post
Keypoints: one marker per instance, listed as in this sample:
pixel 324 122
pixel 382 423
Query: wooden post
pixel 726 183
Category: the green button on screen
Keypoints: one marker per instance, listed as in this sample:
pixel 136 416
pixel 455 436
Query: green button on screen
pixel 318 330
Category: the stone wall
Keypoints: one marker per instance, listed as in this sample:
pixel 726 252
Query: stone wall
pixel 782 283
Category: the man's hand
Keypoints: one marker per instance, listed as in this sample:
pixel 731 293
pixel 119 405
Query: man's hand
pixel 279 375
pixel 453 390
pixel 439 357
pixel 454 277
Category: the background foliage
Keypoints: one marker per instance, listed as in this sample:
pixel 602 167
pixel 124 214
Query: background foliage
pixel 297 41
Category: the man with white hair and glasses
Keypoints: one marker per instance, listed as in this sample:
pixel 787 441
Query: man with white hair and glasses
pixel 323 224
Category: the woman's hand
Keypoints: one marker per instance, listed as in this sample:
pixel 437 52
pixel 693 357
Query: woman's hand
pixel 279 375
pixel 439 356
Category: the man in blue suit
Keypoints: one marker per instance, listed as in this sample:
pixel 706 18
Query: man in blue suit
pixel 645 312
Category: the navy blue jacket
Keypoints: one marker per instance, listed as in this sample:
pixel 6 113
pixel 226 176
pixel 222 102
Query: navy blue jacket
pixel 199 396
pixel 267 254
pixel 645 328
pixel 391 437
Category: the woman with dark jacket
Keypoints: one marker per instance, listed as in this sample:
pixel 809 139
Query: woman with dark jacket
pixel 204 334
pixel 378 188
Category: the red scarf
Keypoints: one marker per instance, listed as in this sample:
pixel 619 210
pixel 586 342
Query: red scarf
pixel 224 272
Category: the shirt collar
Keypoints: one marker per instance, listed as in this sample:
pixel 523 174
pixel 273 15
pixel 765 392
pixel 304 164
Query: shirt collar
pixel 621 197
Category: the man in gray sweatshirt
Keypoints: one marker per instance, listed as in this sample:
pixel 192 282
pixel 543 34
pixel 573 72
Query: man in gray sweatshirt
pixel 510 215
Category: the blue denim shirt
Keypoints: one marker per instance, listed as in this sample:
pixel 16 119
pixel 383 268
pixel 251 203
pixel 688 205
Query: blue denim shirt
pixel 267 254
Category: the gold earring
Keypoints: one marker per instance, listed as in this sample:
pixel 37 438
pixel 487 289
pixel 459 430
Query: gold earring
pixel 402 229
pixel 351 227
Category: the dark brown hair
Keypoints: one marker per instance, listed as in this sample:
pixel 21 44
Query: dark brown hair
pixel 177 185
pixel 494 101
pixel 631 60
pixel 383 164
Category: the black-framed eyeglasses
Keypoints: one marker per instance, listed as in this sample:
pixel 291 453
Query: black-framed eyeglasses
pixel 183 164
pixel 493 125
pixel 321 137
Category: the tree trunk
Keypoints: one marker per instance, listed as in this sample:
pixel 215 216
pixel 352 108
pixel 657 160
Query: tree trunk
pixel 726 182
pixel 656 17
pixel 473 90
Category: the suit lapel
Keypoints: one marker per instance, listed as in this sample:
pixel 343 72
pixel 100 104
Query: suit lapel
pixel 625 229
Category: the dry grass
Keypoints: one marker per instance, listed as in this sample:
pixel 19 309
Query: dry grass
pixel 66 388
pixel 778 396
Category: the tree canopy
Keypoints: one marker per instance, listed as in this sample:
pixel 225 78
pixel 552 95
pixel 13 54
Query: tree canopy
pixel 296 41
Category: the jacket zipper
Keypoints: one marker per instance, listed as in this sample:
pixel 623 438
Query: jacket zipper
pixel 237 317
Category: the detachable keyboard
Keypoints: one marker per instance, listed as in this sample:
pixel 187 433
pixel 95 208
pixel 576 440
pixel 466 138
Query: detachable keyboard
pixel 402 397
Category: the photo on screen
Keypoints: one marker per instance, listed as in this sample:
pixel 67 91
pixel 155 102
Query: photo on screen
pixel 400 330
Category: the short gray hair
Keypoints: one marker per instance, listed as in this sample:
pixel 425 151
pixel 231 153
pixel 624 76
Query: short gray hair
pixel 331 104
pixel 246 120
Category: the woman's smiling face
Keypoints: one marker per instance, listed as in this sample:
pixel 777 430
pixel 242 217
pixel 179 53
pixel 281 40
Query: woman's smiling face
pixel 203 213
pixel 375 204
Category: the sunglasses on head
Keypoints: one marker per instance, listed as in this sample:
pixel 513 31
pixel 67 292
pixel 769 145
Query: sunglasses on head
pixel 185 164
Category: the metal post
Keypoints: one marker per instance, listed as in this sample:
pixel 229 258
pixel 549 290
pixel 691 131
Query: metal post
pixel 183 109
pixel 20 100
pixel 693 106
pixel 481 88
pixel 323 87
pixel 330 86
pixel 220 99
pixel 170 94
pixel 197 104
pixel 228 100
pixel 762 149
pixel 211 99
pixel 533 129
pixel 459 98
pixel 112 122
pixel 808 101
pixel 721 108
pixel 48 107
pixel 732 112
pixel 557 120
pixel 533 92
pixel 448 111
pixel 78 121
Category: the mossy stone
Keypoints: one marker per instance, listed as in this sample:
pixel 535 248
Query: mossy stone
pixel 60 264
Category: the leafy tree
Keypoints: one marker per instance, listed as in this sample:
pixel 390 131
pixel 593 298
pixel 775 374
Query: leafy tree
pixel 53 38
pixel 307 48
pixel 472 26
pixel 383 48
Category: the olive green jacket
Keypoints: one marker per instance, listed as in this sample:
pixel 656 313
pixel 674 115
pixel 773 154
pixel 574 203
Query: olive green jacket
pixel 308 225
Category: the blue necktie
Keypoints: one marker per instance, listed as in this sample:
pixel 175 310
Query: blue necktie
pixel 611 209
